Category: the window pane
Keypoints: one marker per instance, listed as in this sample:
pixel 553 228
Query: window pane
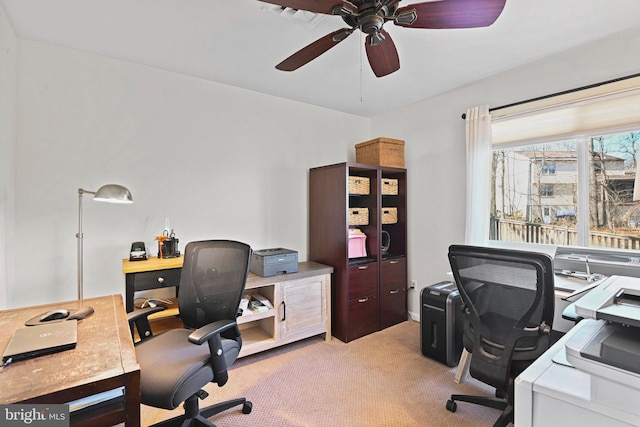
pixel 614 217
pixel 535 194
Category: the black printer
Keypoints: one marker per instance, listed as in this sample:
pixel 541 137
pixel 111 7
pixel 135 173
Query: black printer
pixel 269 262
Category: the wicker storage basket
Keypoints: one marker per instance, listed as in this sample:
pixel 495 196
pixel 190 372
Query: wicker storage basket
pixel 389 187
pixel 358 216
pixel 358 185
pixel 381 152
pixel 389 215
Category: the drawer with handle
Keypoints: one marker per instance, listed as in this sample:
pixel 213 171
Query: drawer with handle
pixel 156 279
pixel 363 280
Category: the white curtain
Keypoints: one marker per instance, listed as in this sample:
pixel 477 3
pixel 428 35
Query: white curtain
pixel 478 130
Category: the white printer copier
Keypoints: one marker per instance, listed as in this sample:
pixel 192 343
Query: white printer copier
pixel 590 377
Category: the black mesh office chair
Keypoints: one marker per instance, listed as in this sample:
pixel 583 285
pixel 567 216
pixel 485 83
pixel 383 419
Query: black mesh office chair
pixel 175 365
pixel 508 305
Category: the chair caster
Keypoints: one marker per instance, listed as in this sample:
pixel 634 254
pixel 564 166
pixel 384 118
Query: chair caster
pixel 247 407
pixel 451 406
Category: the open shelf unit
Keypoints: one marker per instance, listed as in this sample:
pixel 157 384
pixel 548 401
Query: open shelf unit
pixel 369 293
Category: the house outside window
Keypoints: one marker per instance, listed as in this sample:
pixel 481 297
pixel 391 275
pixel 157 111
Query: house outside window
pixel 539 187
pixel 548 169
pixel 546 190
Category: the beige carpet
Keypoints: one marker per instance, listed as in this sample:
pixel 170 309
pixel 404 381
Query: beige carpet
pixel 378 380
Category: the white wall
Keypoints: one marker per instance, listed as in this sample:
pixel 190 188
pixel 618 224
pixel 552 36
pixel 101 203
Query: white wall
pixel 220 162
pixel 435 143
pixel 8 105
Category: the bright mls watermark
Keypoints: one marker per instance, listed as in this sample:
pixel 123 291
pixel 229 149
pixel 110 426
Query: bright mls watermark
pixel 34 415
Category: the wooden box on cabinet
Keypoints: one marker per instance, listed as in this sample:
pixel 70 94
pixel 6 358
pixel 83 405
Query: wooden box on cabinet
pixel 369 293
pixel 382 152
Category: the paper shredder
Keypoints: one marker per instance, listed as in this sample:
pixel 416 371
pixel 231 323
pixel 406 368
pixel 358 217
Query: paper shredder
pixel 441 323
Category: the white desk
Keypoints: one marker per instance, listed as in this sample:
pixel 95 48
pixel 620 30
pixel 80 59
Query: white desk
pixel 553 394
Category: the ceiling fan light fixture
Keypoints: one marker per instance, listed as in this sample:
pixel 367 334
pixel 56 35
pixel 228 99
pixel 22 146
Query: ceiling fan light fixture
pixel 371 24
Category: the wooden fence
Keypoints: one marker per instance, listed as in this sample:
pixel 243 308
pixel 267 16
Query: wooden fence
pixel 521 231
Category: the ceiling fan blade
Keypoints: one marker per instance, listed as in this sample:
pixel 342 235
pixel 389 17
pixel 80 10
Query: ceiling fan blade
pixel 329 7
pixel 315 49
pixel 450 14
pixel 383 56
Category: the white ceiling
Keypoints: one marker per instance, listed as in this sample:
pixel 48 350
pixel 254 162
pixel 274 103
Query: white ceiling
pixel 239 42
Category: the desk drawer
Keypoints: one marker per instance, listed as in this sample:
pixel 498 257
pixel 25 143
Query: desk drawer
pixel 156 279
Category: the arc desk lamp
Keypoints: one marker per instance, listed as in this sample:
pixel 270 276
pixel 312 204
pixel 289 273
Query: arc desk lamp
pixel 110 193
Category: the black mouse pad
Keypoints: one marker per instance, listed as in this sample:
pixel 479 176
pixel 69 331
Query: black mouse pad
pixel 73 314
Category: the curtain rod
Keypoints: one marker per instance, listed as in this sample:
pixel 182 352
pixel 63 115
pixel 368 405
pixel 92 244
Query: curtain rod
pixel 464 115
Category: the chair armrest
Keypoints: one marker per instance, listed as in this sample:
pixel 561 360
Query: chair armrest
pixel 205 333
pixel 140 319
pixel 211 334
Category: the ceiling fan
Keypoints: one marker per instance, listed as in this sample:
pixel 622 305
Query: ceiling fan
pixel 369 16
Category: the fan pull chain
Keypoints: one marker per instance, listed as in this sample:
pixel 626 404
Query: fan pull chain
pixel 361 85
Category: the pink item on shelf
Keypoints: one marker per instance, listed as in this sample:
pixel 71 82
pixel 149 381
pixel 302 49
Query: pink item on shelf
pixel 357 245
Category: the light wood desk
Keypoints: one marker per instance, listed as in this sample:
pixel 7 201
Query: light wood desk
pixel 152 273
pixel 104 359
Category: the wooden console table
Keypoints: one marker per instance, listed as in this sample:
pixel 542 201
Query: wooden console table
pixel 302 300
pixel 104 359
pixel 152 273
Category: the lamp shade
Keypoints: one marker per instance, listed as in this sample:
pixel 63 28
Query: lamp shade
pixel 113 193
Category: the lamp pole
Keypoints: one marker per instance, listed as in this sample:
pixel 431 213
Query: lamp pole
pixel 80 237
pixel 107 193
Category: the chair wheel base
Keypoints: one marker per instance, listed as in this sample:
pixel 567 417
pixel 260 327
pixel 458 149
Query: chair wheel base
pixel 247 407
pixel 451 406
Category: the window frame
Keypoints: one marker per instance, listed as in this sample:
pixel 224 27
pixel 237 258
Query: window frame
pixel 607 261
pixel 601 260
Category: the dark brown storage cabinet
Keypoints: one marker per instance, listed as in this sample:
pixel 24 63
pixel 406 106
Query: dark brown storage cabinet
pixel 368 293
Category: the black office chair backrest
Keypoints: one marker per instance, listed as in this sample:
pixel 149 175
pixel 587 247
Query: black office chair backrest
pixel 508 299
pixel 212 282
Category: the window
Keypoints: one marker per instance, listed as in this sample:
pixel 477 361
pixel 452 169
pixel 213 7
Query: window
pixel 546 190
pixel 541 191
pixel 548 169
pixel 588 140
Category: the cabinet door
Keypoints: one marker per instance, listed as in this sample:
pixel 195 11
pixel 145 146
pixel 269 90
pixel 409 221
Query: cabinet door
pixel 363 280
pixel 363 300
pixel 363 317
pixel 393 292
pixel 303 309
